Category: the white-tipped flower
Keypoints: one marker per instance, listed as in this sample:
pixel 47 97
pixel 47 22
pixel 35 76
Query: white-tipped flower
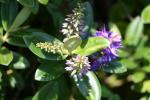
pixel 78 65
pixel 73 22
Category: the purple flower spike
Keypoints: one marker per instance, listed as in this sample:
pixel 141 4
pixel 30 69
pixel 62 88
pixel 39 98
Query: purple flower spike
pixel 78 65
pixel 109 53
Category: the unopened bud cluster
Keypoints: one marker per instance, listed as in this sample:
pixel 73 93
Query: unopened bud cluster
pixel 50 47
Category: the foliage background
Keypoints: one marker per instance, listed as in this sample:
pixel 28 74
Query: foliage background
pixel 124 16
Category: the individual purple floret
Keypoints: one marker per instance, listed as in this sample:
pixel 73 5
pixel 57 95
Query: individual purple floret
pixel 78 65
pixel 109 53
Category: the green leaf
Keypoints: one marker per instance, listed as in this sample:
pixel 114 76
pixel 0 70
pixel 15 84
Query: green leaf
pixel 1 40
pixel 8 13
pixel 72 43
pixel 146 86
pixel 91 45
pixel 44 2
pixel 134 31
pixel 19 61
pixel 35 8
pixel 114 67
pixel 6 56
pixel 146 68
pixel 88 16
pixel 16 41
pixel 21 18
pixel 3 1
pixel 57 15
pixel 49 70
pixel 114 28
pixel 137 77
pixel 12 81
pixel 16 38
pixel 36 37
pixel 109 94
pixel 29 3
pixel 146 14
pixel 33 5
pixel 141 52
pixel 89 86
pixel 54 90
pixel 129 63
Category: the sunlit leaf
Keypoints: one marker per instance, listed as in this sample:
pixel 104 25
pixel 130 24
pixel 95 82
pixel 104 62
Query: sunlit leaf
pixel 72 43
pixel 28 3
pixel 89 86
pixel 146 14
pixel 137 77
pixel 146 86
pixel 114 28
pixel 91 45
pixel 44 2
pixel 19 61
pixel 6 56
pixel 134 31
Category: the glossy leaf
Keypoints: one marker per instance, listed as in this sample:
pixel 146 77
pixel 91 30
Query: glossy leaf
pixel 146 14
pixel 89 86
pixel 72 43
pixel 16 41
pixel 114 67
pixel 31 40
pixel 31 4
pixel 57 16
pixel 91 45
pixel 19 61
pixel 54 90
pixel 28 3
pixel 88 14
pixel 134 31
pixel 16 38
pixel 88 18
pixel 8 13
pixel 21 18
pixel 6 56
pixel 44 2
pixel 49 70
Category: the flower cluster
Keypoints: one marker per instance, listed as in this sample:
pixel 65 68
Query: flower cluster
pixel 109 53
pixel 78 65
pixel 73 24
pixel 73 28
pixel 50 47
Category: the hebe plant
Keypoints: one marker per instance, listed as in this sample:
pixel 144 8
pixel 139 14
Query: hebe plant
pixel 66 52
pixel 60 61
